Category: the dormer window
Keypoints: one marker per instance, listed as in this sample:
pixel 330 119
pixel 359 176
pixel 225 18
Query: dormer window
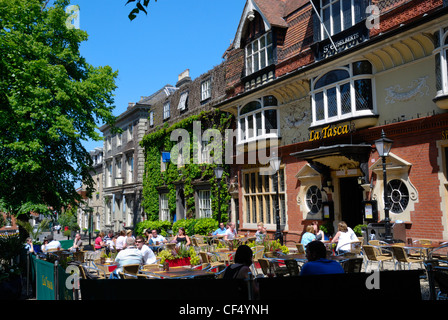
pixel 339 15
pixel 259 53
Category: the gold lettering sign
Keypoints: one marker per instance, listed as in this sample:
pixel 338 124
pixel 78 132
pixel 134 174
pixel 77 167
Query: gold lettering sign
pixel 444 134
pixel 331 131
pixel 47 283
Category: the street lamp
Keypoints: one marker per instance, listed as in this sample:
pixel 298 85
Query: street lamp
pixel 383 146
pixel 275 161
pixel 218 175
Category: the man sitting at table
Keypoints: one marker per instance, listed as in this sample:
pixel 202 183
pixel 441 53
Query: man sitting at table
pixel 130 255
pixel 221 231
pixel 148 255
pixel 317 263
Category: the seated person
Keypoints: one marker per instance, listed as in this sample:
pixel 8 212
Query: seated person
pixel 130 255
pixel 230 232
pixel 148 255
pixel 53 244
pixel 220 231
pixel 241 267
pixel 155 240
pixel 182 238
pixel 317 263
pixel 308 236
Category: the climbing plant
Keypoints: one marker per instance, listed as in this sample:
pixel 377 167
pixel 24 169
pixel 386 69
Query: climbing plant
pixel 156 180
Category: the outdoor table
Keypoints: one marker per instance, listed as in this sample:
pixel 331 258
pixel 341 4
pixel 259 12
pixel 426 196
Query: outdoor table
pixel 224 255
pixel 179 272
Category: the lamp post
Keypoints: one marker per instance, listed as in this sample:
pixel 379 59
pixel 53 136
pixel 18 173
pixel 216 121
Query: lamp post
pixel 383 146
pixel 275 164
pixel 219 170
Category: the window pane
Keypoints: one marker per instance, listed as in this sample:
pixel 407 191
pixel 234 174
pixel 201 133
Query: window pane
pixel 362 67
pixel 258 127
pixel 336 7
pixel 319 105
pixel 262 42
pixel 267 199
pixel 270 55
pixel 347 13
pixel 250 126
pixel 243 128
pixel 251 106
pixel 260 209
pixel 256 62
pixel 262 58
pixel 331 77
pixel 332 104
pixel 346 104
pixel 270 117
pixel 252 182
pixel 438 73
pixel 363 94
pixel 246 183
pixel 269 101
pixel 249 65
pixel 326 21
pixel 266 183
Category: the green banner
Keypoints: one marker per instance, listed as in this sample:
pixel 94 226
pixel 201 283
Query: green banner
pixel 65 286
pixel 45 285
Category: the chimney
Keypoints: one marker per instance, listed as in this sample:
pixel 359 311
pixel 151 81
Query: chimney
pixel 130 104
pixel 183 78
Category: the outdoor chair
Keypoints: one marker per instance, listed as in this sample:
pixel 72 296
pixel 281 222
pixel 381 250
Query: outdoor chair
pixel 441 280
pixel 293 267
pixel 207 260
pixel 300 248
pixel 440 253
pixel 131 269
pixel 90 273
pixel 265 266
pixel 373 254
pixel 258 252
pixel 352 265
pixel 401 256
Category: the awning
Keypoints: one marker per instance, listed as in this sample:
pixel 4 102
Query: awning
pixel 336 156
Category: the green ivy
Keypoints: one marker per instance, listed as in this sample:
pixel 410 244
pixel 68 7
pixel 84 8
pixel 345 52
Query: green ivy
pixel 154 180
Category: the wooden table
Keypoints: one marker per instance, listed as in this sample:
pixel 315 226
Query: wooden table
pixel 180 272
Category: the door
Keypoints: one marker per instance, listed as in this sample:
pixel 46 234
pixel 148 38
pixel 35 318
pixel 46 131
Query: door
pixel 351 194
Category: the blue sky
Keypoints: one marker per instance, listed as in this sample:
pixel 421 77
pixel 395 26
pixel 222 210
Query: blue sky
pixel 154 49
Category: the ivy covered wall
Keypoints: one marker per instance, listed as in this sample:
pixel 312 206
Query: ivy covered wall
pixel 155 179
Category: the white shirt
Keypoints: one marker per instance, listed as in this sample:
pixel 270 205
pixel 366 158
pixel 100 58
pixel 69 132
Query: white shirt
pixel 130 255
pixel 54 244
pixel 121 240
pixel 230 234
pixel 148 255
pixel 345 238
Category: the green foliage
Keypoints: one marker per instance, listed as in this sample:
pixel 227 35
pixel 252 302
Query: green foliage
pixel 34 234
pixel 162 227
pixel 358 229
pixel 51 101
pixel 154 180
pixel 202 226
pixel 68 219
pixel 327 228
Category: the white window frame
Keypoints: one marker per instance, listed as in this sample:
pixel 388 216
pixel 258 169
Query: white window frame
pixel 337 85
pixel 442 51
pixel 130 166
pixel 205 204
pixel 257 133
pixel 256 53
pixel 206 89
pixel 151 118
pixel 131 132
pixel 164 207
pixel 183 101
pixel 166 110
pixel 330 5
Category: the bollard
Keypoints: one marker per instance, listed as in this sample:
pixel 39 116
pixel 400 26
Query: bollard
pixel 250 286
pixel 56 281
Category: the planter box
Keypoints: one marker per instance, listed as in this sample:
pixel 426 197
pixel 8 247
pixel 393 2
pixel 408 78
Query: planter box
pixel 179 262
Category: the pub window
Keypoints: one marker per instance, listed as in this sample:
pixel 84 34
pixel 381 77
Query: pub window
pixel 206 89
pixel 166 111
pixel 397 195
pixel 205 204
pixel 314 199
pixel 258 119
pixel 260 196
pixel 343 93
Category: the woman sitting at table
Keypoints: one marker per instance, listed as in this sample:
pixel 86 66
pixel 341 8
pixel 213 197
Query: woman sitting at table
pixel 182 238
pixel 308 236
pixel 344 237
pixel 241 267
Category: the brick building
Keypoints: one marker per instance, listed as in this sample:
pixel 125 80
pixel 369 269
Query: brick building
pixel 321 80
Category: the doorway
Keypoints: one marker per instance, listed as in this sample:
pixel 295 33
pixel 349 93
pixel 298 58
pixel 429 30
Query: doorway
pixel 351 196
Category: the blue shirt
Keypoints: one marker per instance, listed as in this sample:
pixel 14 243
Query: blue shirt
pixel 219 231
pixel 307 238
pixel 321 266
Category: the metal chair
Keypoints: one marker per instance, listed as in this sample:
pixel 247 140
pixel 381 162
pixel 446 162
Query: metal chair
pixel 300 248
pixel 352 265
pixel 372 254
pixel 401 256
pixel 131 269
pixel 293 267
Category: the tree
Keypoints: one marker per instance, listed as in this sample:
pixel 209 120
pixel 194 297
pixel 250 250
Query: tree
pixel 51 100
pixel 139 6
